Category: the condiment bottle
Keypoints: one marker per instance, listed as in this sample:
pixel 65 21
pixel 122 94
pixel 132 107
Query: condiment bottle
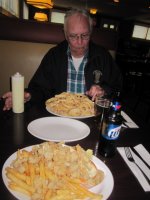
pixel 17 81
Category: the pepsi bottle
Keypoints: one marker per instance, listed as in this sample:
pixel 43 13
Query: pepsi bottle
pixel 110 129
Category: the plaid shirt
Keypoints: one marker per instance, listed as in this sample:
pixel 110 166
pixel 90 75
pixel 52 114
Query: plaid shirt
pixel 76 79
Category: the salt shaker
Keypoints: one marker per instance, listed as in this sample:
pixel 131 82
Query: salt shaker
pixel 17 81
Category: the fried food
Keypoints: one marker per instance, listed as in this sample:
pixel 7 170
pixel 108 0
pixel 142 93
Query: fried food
pixel 69 104
pixel 54 171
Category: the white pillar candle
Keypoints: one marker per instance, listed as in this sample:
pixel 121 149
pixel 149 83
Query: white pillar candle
pixel 17 81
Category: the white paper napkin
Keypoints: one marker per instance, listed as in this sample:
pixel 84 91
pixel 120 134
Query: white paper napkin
pixel 143 153
pixel 136 171
pixel 129 122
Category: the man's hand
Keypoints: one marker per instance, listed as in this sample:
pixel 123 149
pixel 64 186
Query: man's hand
pixel 8 99
pixel 95 91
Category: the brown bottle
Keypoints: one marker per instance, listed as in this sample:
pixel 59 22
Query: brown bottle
pixel 110 129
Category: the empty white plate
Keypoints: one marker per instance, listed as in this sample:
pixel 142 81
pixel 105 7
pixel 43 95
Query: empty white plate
pixel 58 129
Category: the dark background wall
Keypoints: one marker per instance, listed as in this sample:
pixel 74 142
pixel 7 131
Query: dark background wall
pixel 32 31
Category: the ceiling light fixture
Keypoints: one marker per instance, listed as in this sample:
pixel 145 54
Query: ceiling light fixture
pixel 39 16
pixel 43 4
pixel 93 11
pixel 116 1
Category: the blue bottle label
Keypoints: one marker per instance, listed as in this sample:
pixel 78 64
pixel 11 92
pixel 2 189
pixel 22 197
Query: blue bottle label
pixel 111 132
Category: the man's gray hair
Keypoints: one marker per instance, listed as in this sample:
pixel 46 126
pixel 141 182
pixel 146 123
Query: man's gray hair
pixel 78 11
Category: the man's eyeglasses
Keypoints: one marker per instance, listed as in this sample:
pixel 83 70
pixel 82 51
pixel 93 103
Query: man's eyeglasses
pixel 74 37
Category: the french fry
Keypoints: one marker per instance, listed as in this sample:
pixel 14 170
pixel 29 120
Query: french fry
pixel 76 191
pixel 48 194
pixel 67 195
pixel 19 189
pixel 86 192
pixel 42 170
pixel 26 167
pixel 19 182
pixel 18 175
pixel 31 172
pixel 48 173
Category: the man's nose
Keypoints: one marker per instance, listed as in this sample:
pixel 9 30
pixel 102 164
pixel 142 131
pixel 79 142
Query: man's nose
pixel 79 39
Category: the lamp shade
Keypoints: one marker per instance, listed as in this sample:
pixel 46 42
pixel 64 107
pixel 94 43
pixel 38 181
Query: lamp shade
pixel 43 4
pixel 40 16
pixel 93 11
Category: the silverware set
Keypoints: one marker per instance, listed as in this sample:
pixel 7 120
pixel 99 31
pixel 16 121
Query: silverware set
pixel 131 159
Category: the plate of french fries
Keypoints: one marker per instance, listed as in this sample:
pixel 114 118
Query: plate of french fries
pixel 72 105
pixel 58 129
pixel 54 171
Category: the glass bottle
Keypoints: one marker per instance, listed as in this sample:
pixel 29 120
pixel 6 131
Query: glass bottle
pixel 110 128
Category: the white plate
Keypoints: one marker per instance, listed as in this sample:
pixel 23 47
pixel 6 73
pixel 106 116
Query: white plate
pixel 58 129
pixel 79 117
pixel 105 188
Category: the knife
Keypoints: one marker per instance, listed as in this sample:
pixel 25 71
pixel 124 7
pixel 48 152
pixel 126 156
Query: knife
pixel 136 153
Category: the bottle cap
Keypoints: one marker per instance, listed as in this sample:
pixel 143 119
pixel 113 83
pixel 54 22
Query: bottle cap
pixel 17 75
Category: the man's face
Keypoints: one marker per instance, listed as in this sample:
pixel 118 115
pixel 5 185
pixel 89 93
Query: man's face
pixel 78 35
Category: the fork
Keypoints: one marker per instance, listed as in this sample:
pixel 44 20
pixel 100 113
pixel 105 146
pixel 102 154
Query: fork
pixel 131 159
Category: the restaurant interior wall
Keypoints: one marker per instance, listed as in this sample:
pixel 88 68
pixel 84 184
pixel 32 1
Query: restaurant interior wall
pixel 132 54
pixel 133 58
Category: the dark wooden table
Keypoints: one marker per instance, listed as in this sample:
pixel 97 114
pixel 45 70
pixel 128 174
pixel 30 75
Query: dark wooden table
pixel 14 135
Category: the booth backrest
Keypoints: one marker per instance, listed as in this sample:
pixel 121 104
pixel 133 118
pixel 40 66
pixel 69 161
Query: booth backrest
pixel 24 43
pixel 22 57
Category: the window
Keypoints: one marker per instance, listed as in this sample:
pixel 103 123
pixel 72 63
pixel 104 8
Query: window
pixel 57 17
pixel 25 11
pixel 105 25
pixel 12 6
pixel 141 32
pixel 148 34
pixel 112 26
pixel 109 24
